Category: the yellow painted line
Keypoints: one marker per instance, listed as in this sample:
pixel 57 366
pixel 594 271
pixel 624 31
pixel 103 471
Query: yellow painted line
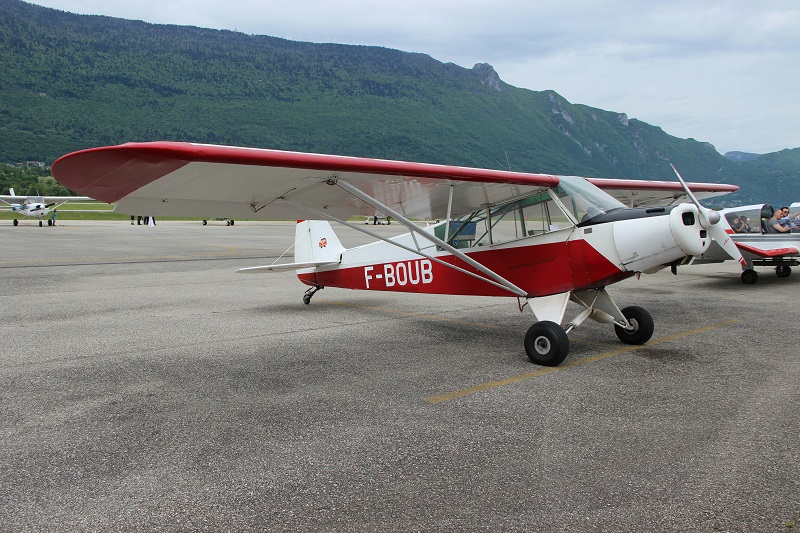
pixel 536 373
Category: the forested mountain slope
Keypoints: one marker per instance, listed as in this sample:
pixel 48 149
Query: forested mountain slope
pixel 74 81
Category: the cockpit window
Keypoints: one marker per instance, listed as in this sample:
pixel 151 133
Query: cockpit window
pixel 530 216
pixel 527 217
pixel 584 200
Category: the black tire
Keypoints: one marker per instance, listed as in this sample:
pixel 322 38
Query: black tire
pixel 16 222
pixel 643 326
pixel 40 223
pixel 749 276
pixel 546 343
pixel 783 271
pixel 205 222
pixel 49 222
pixel 231 222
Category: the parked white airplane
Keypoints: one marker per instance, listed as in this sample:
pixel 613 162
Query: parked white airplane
pixel 36 206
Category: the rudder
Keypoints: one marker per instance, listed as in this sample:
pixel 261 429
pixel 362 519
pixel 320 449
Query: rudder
pixel 315 241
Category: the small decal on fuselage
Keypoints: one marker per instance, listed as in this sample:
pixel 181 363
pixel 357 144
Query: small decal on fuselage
pixel 323 242
pixel 400 274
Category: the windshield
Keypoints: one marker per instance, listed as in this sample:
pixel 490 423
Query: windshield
pixel 584 199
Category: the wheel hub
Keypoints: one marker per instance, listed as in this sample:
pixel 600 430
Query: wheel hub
pixel 542 345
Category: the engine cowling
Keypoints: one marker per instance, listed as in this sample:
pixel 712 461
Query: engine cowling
pixel 644 244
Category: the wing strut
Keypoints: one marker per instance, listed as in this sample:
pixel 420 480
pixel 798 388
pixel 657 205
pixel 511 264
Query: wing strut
pixel 416 229
pixel 419 252
pixel 449 213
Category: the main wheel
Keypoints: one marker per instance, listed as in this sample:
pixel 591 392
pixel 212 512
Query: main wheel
pixel 16 222
pixel 749 276
pixel 40 223
pixel 546 343
pixel 783 271
pixel 205 222
pixel 642 323
pixel 231 222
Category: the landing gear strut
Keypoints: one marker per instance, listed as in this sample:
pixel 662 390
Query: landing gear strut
pixel 310 292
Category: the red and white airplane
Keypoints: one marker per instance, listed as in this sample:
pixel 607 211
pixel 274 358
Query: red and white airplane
pixel 544 239
pixel 748 228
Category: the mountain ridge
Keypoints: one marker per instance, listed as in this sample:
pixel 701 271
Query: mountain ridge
pixel 76 81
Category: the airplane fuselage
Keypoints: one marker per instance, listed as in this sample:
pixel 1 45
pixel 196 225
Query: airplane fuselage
pixel 31 210
pixel 573 258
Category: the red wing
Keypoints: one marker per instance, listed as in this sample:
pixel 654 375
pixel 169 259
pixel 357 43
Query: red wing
pixel 775 252
pixel 638 193
pixel 183 179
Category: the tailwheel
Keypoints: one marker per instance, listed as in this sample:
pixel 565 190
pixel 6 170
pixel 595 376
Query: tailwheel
pixel 783 271
pixel 310 292
pixel 641 323
pixel 546 343
pixel 749 276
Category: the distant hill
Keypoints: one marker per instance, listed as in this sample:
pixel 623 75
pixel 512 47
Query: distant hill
pixel 741 156
pixel 75 81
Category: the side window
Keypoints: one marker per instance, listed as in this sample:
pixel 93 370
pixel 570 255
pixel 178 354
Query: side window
pixel 531 216
pixel 535 219
pixel 558 220
pixel 506 223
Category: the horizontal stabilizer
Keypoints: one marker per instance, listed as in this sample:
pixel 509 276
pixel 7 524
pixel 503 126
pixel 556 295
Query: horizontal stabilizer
pixel 285 266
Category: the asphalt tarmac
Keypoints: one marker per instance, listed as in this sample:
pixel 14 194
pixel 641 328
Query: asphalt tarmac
pixel 145 385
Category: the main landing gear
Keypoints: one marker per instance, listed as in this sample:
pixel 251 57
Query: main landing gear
pixel 750 276
pixel 546 342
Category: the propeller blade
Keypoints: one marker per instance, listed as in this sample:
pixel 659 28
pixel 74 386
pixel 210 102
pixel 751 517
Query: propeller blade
pixel 718 233
pixel 709 219
pixel 685 187
pixel 707 216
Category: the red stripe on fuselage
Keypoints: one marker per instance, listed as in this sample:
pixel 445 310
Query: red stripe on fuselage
pixel 539 270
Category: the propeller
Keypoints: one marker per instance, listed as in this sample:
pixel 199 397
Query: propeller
pixel 709 219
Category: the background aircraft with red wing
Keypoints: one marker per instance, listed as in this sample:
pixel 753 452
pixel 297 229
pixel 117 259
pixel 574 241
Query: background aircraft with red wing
pixel 749 230
pixel 545 240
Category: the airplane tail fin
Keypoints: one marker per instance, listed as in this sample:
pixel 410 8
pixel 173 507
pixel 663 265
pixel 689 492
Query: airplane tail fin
pixel 11 192
pixel 315 242
pixel 315 245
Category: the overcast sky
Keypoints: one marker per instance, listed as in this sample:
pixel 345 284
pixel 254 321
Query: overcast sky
pixel 725 72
